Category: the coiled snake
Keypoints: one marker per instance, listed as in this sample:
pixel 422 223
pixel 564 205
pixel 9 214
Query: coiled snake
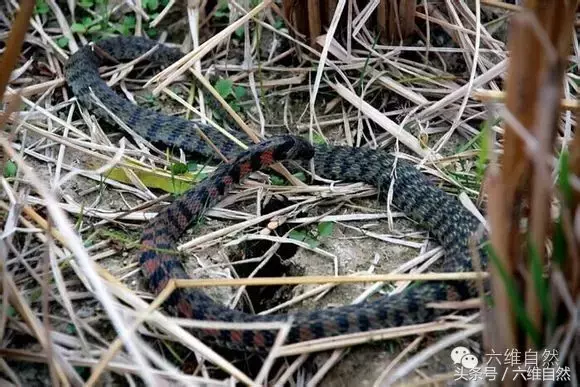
pixel 429 206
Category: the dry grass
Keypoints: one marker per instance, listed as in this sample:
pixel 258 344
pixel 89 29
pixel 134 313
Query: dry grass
pixel 528 313
pixel 71 293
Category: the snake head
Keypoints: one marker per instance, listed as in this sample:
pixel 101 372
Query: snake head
pixel 291 148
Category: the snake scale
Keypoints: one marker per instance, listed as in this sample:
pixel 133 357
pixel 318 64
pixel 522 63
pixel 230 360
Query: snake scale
pixel 442 215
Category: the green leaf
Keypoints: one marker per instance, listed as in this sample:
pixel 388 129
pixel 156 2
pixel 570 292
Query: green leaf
pixel 276 180
pixel 515 296
pixel 224 87
pixel 540 284
pixel 239 32
pixel 234 105
pixel 123 30
pixel 179 168
pixel 483 152
pixel 87 21
pixel 152 32
pixel 129 21
pixel 192 166
pixel 10 311
pixel 325 229
pixel 78 28
pixel 560 245
pixel 62 42
pixel 70 329
pixel 297 235
pixel 152 5
pixel 174 183
pixel 302 236
pixel 220 14
pixel 564 178
pixel 313 243
pixel 300 176
pixel 278 24
pixel 94 28
pixel 239 92
pixel 318 139
pixel 41 7
pixel 86 3
pixel 222 11
pixel 10 169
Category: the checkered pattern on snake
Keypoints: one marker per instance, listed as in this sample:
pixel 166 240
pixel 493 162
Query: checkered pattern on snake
pixel 441 214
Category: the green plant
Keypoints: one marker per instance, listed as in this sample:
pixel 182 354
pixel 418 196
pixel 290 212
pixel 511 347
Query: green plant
pixel 10 169
pixel 313 237
pixel 96 21
pixel 515 296
pixel 41 7
pixel 223 11
pixel 232 94
pixel 62 41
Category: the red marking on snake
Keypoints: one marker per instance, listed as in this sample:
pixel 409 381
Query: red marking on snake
pixel 151 265
pixel 330 326
pixel 228 180
pixel 352 319
pixel 236 336
pixel 212 332
pixel 259 339
pixel 182 220
pixel 162 283
pixel 245 168
pixel 267 157
pixel 213 192
pixel 195 206
pixel 185 307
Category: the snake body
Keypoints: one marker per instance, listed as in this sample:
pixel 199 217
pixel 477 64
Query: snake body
pixel 442 215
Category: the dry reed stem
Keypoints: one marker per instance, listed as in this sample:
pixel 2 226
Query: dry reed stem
pixel 572 267
pixel 313 16
pixel 59 370
pixel 395 19
pixel 422 356
pixel 557 22
pixel 118 342
pixel 501 4
pixel 500 97
pixel 268 281
pixel 535 66
pixel 504 190
pixel 348 340
pixel 14 43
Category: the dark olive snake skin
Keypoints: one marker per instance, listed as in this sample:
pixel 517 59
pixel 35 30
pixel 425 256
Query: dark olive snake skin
pixel 442 215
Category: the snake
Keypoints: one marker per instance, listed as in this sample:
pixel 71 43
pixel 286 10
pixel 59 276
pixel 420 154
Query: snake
pixel 446 219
